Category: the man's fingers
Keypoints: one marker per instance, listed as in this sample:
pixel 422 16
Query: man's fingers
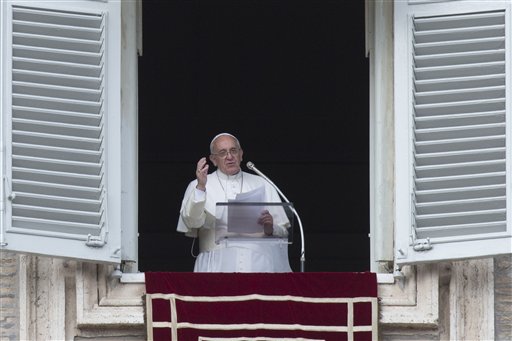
pixel 266 218
pixel 202 166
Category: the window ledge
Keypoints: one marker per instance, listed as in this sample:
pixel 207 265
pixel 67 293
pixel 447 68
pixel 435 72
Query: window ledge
pixel 138 278
pixel 135 278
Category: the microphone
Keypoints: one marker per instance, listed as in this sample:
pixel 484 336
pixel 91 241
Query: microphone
pixel 252 167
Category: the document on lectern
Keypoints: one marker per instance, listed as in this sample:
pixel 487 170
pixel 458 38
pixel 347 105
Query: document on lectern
pixel 245 217
pixel 256 195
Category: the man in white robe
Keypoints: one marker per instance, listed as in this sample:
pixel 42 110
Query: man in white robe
pixel 199 215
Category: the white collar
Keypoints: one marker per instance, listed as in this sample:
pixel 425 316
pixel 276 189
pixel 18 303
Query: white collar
pixel 224 176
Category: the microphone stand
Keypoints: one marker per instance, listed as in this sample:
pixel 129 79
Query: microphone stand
pixel 251 166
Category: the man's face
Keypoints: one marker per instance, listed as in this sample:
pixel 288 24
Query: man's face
pixel 226 156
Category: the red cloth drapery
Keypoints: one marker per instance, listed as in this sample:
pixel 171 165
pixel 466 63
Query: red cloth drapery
pixel 261 306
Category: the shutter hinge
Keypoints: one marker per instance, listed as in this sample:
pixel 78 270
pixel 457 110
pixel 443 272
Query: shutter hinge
pixel 422 245
pixel 12 195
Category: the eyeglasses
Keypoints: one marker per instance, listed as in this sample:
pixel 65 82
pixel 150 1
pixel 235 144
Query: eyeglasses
pixel 224 153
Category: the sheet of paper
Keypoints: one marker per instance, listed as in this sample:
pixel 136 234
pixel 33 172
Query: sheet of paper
pixel 244 218
pixel 256 195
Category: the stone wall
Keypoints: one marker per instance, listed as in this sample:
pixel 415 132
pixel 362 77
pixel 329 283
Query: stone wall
pixel 10 319
pixel 450 272
pixel 503 297
pixel 9 309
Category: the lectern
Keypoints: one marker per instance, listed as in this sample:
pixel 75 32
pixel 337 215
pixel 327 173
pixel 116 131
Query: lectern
pixel 238 222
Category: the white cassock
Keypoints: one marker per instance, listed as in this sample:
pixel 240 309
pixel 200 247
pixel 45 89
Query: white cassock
pixel 199 216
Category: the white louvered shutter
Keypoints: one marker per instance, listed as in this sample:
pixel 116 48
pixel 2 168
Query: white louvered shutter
pixel 454 145
pixel 61 121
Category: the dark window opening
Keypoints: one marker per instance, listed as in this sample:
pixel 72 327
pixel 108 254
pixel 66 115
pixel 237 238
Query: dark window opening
pixel 290 79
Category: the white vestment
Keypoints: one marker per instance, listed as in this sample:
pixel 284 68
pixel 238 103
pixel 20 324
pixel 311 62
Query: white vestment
pixel 198 219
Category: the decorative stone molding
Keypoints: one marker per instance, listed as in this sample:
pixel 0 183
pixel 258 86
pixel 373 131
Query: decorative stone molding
pixel 62 299
pixel 103 301
pixel 417 303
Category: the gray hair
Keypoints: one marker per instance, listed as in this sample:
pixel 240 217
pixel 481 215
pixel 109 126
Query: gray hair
pixel 224 134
